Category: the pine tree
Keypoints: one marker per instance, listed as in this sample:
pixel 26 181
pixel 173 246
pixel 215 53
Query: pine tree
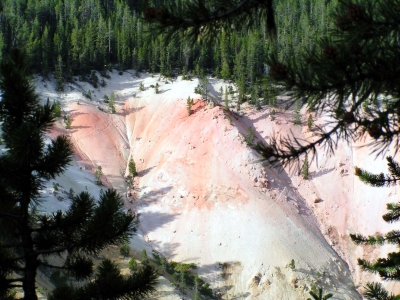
pixel 189 104
pixel 309 122
pixel 29 241
pixel 305 167
pixel 226 101
pixel 296 116
pixel 97 175
pixel 132 168
pixel 124 249
pixel 111 103
pixel 59 75
pixel 67 122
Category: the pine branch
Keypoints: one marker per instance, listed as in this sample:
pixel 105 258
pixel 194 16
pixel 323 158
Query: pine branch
pixel 109 225
pixel 110 284
pixel 388 268
pixel 394 167
pixel 359 239
pixel 379 180
pixel 376 291
pixel 394 214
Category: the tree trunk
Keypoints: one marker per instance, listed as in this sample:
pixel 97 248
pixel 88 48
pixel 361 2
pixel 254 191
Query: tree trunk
pixel 31 263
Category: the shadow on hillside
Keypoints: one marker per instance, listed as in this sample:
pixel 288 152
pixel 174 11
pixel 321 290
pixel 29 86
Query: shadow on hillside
pixel 154 195
pixel 155 220
pixel 316 174
pixel 220 274
pixel 165 249
pixel 76 128
pixel 163 91
pixel 135 109
pixel 74 113
pixel 145 171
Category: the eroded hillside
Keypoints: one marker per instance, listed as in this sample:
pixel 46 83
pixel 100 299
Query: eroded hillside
pixel 202 199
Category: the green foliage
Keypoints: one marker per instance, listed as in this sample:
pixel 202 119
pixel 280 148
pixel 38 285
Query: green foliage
pixel 144 257
pixel 296 116
pixel 55 186
pixel 71 194
pixel 111 103
pixel 292 264
pixel 68 122
pixel 141 86
pixel 379 180
pixel 94 79
pixel 132 264
pixel 156 88
pixel 88 95
pixel 132 168
pixel 56 108
pixel 304 168
pixel 319 295
pixel 124 249
pixel 250 136
pixel 309 122
pixel 189 104
pixel 59 75
pixel 226 101
pixel 97 175
pixel 377 291
pixel 388 268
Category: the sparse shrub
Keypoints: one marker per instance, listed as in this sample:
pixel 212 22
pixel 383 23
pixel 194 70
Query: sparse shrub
pixel 141 86
pixel 296 117
pixel 88 95
pixel 132 168
pixel 94 79
pixel 189 104
pixel 56 186
pixel 56 108
pixel 292 264
pixel 309 122
pixel 71 194
pixel 304 169
pixel 97 174
pixel 67 122
pixel 250 136
pixel 144 257
pixel 226 101
pixel 132 264
pixel 124 249
pixel 111 103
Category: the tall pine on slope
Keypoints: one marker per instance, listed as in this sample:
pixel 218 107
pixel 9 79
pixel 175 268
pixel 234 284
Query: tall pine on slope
pixel 388 268
pixel 28 240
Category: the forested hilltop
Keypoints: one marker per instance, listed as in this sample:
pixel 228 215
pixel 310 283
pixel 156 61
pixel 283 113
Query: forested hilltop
pixel 73 37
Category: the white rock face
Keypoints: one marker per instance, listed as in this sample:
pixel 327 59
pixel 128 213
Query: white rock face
pixel 201 198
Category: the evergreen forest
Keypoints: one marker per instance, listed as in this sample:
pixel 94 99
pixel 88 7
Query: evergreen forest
pixel 73 37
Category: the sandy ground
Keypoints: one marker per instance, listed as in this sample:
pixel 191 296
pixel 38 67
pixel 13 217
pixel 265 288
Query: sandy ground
pixel 201 199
